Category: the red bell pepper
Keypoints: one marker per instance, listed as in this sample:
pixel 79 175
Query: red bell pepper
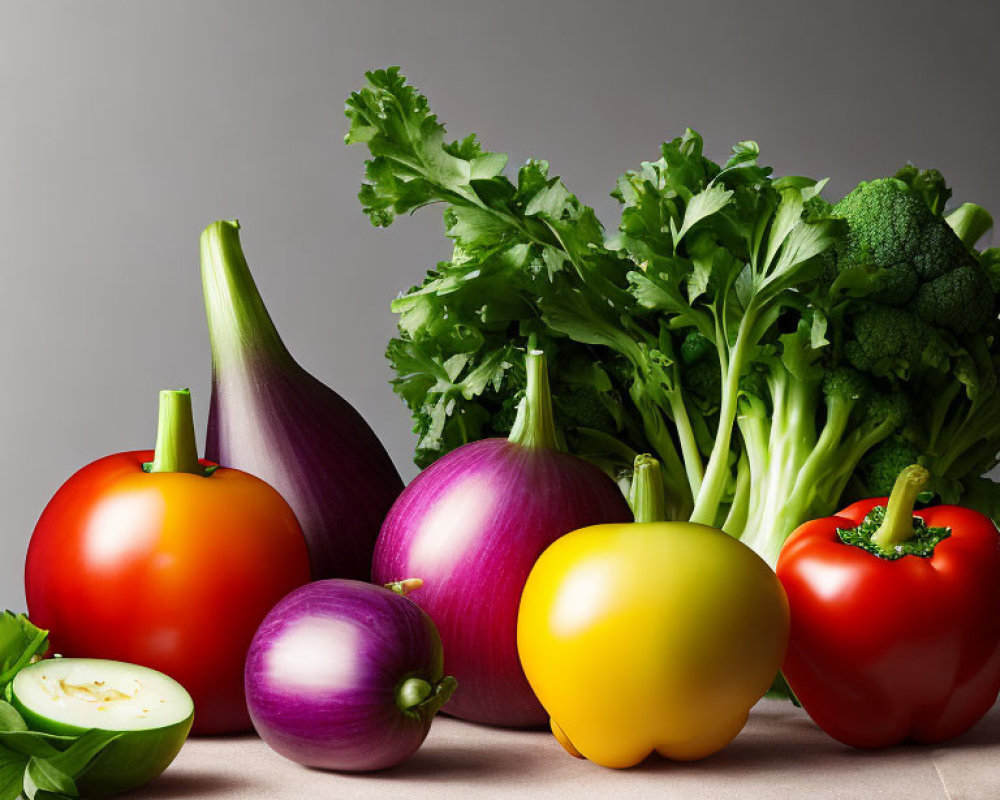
pixel 895 618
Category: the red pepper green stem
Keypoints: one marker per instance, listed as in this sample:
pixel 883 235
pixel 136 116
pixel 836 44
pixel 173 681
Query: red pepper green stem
pixel 897 526
pixel 176 448
pixel 646 496
pixel 535 425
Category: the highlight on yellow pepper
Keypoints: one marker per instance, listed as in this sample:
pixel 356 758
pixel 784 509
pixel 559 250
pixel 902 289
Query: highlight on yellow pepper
pixel 650 636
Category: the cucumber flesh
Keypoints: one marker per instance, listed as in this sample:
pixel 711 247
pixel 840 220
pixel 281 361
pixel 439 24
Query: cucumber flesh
pixel 93 693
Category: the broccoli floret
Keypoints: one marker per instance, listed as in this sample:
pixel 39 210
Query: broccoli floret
pixel 884 226
pixel 695 347
pixel 912 254
pixel 703 381
pixel 846 384
pixel 961 301
pixel 893 341
pixel 582 406
pixel 879 469
pixel 701 374
pixel 892 408
pixel 816 207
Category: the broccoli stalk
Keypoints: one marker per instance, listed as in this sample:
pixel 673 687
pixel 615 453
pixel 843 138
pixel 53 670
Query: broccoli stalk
pixel 802 471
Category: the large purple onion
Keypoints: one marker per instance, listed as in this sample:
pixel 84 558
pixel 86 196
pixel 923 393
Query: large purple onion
pixel 345 675
pixel 271 418
pixel 471 526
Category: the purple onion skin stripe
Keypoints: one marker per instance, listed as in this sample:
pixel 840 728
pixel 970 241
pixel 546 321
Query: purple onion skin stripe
pixel 471 526
pixel 325 671
pixel 271 418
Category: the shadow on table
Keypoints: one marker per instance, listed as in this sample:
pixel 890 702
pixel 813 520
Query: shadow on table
pixel 986 733
pixel 180 784
pixel 791 742
pixel 447 762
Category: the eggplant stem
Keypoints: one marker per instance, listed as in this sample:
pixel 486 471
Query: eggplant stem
pixel 238 320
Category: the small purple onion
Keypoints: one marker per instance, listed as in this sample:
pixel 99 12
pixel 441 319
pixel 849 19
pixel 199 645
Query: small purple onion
pixel 271 418
pixel 472 526
pixel 345 675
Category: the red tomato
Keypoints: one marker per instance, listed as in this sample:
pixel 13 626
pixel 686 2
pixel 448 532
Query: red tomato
pixel 170 570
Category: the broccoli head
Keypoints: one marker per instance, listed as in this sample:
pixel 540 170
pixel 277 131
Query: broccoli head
pixel 913 257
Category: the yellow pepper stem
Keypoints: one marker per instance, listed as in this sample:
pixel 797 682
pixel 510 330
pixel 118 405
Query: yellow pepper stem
pixel 646 497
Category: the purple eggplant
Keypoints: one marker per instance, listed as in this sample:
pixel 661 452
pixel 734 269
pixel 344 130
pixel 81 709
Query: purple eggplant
pixel 472 526
pixel 346 676
pixel 270 417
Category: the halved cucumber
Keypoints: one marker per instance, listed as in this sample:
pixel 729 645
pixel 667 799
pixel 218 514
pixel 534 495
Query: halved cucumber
pixel 72 695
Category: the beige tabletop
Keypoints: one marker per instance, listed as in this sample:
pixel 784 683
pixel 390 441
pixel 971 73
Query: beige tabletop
pixel 780 754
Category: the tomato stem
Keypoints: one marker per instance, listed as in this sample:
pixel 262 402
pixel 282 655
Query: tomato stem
pixel 535 425
pixel 646 496
pixel 176 448
pixel 897 526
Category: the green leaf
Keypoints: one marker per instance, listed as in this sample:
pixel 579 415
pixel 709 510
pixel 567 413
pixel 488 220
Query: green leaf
pixel 787 218
pixel 549 202
pixel 805 241
pixel 54 775
pixel 20 642
pixel 489 371
pixel 79 755
pixel 12 766
pixel 488 165
pixel 817 335
pixel 701 206
pixel 745 154
pixel 31 743
pixel 570 313
pixel 42 776
pixel 10 719
pixel 474 227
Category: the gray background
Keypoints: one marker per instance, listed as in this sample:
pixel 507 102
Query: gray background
pixel 125 127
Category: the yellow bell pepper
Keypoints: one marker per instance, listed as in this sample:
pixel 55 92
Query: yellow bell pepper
pixel 650 636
